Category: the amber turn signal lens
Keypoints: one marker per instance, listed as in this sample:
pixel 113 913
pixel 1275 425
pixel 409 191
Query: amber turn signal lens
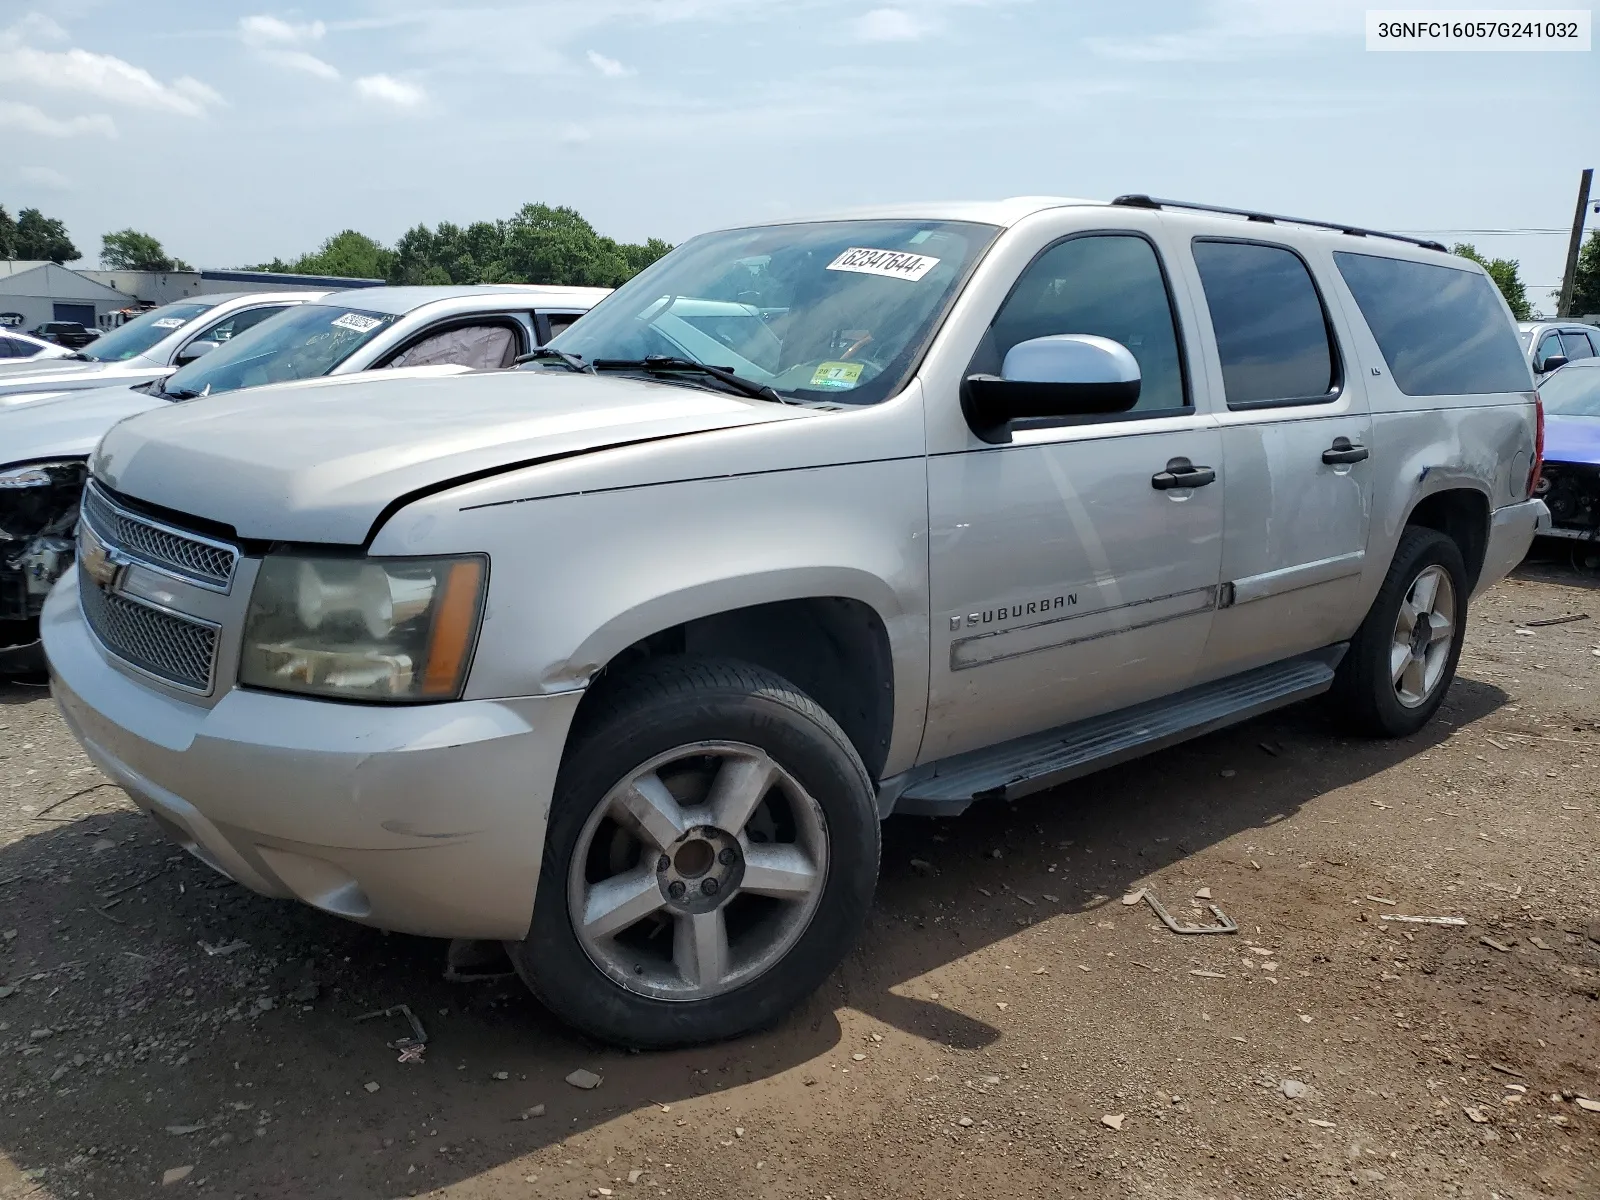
pixel 453 629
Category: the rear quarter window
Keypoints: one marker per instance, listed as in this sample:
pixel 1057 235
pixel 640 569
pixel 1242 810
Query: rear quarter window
pixel 1442 331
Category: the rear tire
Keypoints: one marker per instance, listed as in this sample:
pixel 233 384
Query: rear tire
pixel 1403 658
pixel 711 855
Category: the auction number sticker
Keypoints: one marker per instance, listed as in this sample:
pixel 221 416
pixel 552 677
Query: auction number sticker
pixel 896 264
pixel 356 322
pixel 836 375
pixel 169 323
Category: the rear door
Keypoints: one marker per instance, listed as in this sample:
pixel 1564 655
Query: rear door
pixel 1296 434
pixel 1064 582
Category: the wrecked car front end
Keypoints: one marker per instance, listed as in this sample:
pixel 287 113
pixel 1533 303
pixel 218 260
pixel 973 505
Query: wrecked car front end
pixel 38 514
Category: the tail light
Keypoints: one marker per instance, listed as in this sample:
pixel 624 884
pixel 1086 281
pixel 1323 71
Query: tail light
pixel 1538 445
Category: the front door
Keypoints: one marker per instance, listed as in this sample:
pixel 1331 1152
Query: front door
pixel 1296 443
pixel 1066 578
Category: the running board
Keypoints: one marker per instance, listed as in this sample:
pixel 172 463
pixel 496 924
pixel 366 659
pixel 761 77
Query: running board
pixel 1043 760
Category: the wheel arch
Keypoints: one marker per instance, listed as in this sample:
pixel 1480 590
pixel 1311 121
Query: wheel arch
pixel 812 627
pixel 1463 515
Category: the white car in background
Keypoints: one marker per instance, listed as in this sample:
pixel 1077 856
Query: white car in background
pixel 47 436
pixel 1551 345
pixel 18 347
pixel 152 345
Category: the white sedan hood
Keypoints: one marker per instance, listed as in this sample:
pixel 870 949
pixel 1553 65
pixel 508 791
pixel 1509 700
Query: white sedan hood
pixel 323 462
pixel 50 425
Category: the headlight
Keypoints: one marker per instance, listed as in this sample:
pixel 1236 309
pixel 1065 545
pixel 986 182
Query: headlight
pixel 35 474
pixel 382 629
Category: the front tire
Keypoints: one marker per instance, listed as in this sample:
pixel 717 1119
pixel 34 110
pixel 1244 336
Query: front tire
pixel 711 855
pixel 1403 658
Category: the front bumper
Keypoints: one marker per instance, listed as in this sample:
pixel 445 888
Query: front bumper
pixel 426 819
pixel 1511 533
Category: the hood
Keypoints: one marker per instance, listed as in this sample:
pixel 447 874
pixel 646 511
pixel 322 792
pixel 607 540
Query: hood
pixel 54 375
pixel 65 424
pixel 1572 439
pixel 321 463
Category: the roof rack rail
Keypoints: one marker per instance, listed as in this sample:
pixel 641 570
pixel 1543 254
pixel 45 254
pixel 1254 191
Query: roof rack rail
pixel 1136 200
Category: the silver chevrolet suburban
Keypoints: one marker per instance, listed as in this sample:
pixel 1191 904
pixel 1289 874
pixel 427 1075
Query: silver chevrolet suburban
pixel 619 659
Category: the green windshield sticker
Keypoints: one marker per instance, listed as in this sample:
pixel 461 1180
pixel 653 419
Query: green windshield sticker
pixel 837 375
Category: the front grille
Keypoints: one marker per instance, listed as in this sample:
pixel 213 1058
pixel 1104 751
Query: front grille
pixel 168 646
pixel 188 555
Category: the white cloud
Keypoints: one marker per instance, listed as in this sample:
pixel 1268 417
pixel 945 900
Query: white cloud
pixel 575 135
pixel 1234 29
pixel 282 44
pixel 45 177
pixel 891 25
pixel 28 119
pixel 609 67
pixel 100 76
pixel 264 30
pixel 386 89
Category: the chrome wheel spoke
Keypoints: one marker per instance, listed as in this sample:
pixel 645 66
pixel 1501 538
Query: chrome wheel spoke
pixel 1442 630
pixel 1399 656
pixel 738 788
pixel 1424 591
pixel 781 871
pixel 700 948
pixel 616 903
pixel 649 807
pixel 1408 618
pixel 1414 679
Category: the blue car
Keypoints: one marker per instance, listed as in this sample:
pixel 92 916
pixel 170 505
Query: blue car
pixel 1570 485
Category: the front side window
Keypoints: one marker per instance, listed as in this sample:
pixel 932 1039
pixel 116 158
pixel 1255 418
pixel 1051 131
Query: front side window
pixel 835 311
pixel 1443 330
pixel 301 342
pixel 144 331
pixel 1575 345
pixel 1106 284
pixel 489 347
pixel 1548 348
pixel 1272 333
pixel 234 324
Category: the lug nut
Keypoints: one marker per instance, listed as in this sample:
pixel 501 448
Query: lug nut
pixel 727 856
pixel 663 863
pixel 709 887
pixel 675 889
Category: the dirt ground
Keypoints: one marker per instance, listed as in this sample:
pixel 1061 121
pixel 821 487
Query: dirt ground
pixel 1008 1026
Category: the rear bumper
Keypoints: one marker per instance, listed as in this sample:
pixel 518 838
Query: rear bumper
pixel 425 819
pixel 1511 532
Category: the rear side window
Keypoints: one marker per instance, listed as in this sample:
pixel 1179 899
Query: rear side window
pixel 1272 332
pixel 1443 331
pixel 1576 346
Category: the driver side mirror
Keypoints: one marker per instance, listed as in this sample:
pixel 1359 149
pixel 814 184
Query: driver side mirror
pixel 1553 363
pixel 193 351
pixel 1063 375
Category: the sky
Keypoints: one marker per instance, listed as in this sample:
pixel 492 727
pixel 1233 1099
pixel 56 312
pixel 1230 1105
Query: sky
pixel 236 133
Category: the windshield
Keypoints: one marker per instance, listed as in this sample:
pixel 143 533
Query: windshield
pixel 1572 392
pixel 144 331
pixel 834 311
pixel 299 343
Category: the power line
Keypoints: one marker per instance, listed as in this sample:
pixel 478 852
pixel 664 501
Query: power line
pixel 1485 232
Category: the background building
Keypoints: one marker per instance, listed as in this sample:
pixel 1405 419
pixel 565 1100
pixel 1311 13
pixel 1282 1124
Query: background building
pixel 32 293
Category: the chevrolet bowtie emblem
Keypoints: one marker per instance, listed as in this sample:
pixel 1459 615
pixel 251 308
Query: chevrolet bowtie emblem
pixel 99 561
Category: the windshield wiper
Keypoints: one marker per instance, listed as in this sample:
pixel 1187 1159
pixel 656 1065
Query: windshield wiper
pixel 662 364
pixel 571 361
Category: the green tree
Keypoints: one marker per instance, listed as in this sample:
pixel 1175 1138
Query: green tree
pixel 130 250
pixel 557 246
pixel 8 235
pixel 1506 276
pixel 42 237
pixel 639 256
pixel 347 255
pixel 1586 283
pixel 450 254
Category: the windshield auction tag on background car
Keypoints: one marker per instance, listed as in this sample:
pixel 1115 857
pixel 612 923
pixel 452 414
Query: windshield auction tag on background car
pixel 896 264
pixel 356 322
pixel 169 323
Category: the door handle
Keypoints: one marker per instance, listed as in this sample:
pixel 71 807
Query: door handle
pixel 1344 450
pixel 1181 473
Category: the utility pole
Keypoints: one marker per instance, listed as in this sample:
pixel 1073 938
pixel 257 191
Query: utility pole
pixel 1564 306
